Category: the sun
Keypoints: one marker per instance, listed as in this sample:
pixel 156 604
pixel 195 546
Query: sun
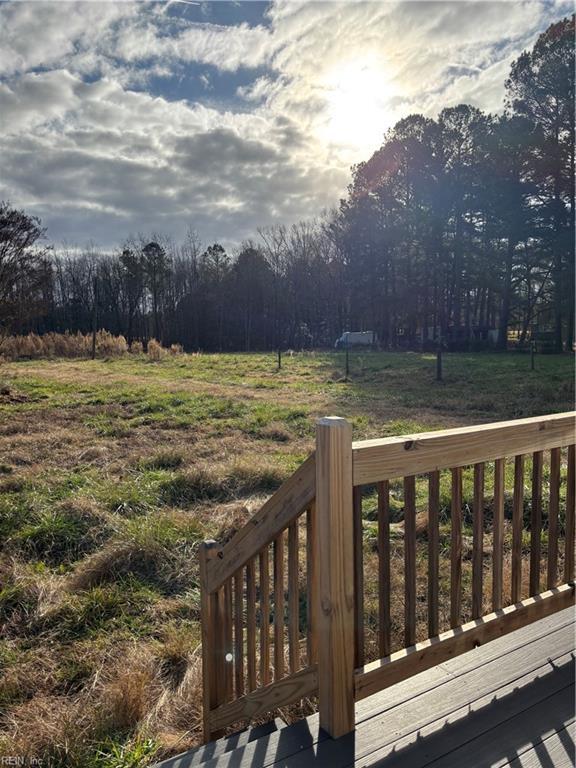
pixel 357 94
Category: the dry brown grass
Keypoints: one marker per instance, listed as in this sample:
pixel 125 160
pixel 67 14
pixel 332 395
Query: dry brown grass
pixel 51 726
pixel 119 696
pixel 155 350
pixel 278 432
pixel 61 345
pixel 65 345
pixel 176 717
pixel 128 687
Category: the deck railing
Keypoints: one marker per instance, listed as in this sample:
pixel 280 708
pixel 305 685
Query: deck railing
pixel 304 601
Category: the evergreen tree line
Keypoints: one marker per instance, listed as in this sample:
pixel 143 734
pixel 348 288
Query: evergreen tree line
pixel 458 229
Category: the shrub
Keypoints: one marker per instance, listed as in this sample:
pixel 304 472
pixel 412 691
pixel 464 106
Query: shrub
pixel 62 345
pixel 137 348
pixel 155 350
pixel 110 346
pixel 78 345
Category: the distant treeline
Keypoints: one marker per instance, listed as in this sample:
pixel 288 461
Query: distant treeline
pixel 460 228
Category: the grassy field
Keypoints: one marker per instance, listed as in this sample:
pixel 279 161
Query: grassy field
pixel 111 471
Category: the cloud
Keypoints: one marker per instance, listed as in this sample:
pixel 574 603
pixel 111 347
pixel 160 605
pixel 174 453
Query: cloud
pixel 92 140
pixel 41 34
pixel 139 162
pixel 226 48
pixel 35 99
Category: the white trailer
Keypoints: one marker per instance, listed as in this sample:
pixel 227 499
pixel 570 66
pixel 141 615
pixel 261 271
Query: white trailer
pixel 356 339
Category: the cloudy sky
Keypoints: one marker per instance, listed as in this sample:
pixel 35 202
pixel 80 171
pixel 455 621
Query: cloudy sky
pixel 118 117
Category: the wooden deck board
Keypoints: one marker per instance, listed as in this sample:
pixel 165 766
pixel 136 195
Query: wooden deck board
pixel 493 728
pixel 516 734
pixel 466 697
pixel 439 719
pixel 557 749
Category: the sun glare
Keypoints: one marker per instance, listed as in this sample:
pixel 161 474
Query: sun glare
pixel 357 94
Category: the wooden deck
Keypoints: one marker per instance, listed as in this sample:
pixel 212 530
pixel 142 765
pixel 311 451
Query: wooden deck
pixel 508 703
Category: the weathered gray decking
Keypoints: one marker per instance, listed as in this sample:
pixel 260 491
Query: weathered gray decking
pixel 509 703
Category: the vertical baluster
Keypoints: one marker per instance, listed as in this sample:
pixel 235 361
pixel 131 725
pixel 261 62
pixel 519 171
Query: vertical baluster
pixel 228 642
pixel 553 517
pixel 517 527
pixel 536 523
pixel 264 618
pixel 570 515
pixel 293 598
pixel 498 533
pixel 456 547
pixel 311 585
pixel 410 560
pixel 279 607
pixel 218 611
pixel 239 633
pixel 251 623
pixel 358 579
pixel 478 542
pixel 433 551
pixel 384 567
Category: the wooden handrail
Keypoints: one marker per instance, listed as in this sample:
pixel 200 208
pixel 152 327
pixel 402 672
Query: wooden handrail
pixel 393 457
pixel 281 509
pixel 299 685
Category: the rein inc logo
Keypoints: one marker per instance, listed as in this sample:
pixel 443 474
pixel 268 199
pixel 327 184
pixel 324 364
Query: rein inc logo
pixel 22 762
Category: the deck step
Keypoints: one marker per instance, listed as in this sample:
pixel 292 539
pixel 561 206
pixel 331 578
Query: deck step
pixel 200 755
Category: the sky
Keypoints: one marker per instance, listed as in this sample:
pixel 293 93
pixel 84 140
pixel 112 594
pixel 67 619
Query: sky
pixel 118 118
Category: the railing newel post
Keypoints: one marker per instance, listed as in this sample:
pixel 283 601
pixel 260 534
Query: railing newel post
pixel 335 535
pixel 213 640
